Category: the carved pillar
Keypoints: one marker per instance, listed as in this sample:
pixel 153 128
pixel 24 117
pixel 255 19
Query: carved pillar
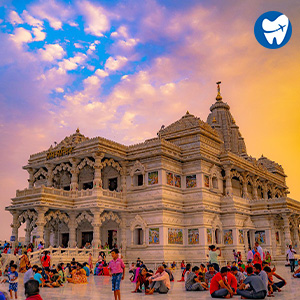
pixel 96 227
pixel 123 234
pixel 296 234
pixel 40 223
pixel 55 237
pixel 30 180
pixel 228 189
pixel 72 229
pixel 47 237
pixel 287 233
pixel 255 192
pixel 15 227
pixel 265 190
pixel 28 232
pixel 245 190
pixel 123 178
pixel 50 168
pixel 245 232
pixel 98 167
pixel 74 172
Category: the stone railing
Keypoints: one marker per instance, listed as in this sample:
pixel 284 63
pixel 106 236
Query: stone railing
pixel 65 255
pixel 68 194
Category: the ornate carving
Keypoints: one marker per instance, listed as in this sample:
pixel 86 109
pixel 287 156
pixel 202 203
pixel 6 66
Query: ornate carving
pixel 40 172
pixel 84 216
pixel 62 167
pixel 85 162
pixel 138 167
pixel 57 215
pixel 138 221
pixel 111 162
pixel 110 216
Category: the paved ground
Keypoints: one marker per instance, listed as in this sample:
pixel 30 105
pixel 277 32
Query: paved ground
pixel 100 288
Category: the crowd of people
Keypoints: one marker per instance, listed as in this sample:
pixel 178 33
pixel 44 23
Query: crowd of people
pixel 255 279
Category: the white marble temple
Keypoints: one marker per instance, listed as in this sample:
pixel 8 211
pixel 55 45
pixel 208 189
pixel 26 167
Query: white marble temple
pixel 100 288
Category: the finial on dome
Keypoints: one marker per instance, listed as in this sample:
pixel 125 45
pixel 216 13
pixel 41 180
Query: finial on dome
pixel 219 97
pixel 77 130
pixel 187 112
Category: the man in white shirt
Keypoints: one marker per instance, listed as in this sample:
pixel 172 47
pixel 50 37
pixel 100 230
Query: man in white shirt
pixel 260 251
pixel 290 254
pixel 160 282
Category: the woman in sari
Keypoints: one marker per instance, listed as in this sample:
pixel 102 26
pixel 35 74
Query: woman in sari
pixel 256 257
pixel 78 275
pixel 24 263
pixel 268 258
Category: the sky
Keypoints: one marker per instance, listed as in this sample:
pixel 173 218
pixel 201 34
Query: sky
pixel 121 69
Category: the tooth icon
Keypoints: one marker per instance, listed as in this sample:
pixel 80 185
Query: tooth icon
pixel 276 29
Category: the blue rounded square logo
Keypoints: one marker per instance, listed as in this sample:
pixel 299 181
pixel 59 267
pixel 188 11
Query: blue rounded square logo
pixel 273 29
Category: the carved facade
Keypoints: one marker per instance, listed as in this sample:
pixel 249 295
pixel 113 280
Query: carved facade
pixel 167 198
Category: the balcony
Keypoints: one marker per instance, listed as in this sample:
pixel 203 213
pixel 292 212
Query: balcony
pixel 50 196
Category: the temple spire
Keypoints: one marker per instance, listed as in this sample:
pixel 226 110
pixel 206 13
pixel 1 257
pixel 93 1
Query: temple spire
pixel 219 97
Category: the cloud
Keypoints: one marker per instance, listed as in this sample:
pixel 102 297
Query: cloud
pixel 14 18
pixel 59 90
pixel 73 63
pixel 54 12
pixel 52 52
pixel 114 64
pixel 21 35
pixel 101 73
pixel 96 18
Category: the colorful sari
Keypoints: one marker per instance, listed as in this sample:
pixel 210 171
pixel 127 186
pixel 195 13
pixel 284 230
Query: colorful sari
pixel 24 262
pixel 78 277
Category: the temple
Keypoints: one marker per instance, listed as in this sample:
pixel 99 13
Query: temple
pixel 169 197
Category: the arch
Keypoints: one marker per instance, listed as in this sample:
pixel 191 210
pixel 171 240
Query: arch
pixel 138 221
pixel 138 167
pixel 62 167
pixel 110 216
pixel 235 173
pixel 27 215
pixel 40 172
pixel 113 163
pixel 85 162
pixel 84 216
pixel 57 215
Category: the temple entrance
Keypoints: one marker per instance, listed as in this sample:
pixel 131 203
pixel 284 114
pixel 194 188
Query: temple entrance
pixel 112 238
pixel 87 237
pixel 113 184
pixel 65 239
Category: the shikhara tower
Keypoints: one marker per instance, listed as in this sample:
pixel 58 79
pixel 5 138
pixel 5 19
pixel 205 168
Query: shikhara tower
pixel 167 198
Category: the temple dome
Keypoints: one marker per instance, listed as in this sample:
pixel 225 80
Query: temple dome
pixel 221 120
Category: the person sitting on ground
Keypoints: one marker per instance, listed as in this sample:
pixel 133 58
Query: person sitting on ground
pixel 185 272
pixel 169 272
pixel 249 264
pixel 257 288
pixel 78 275
pixel 61 272
pixel 297 272
pixel 142 280
pixel 173 265
pixel 241 266
pixel 210 274
pixel 201 273
pixel 240 277
pixel 232 281
pixel 55 279
pixel 86 269
pixel 219 287
pixel 193 283
pixel 262 274
pixel 30 273
pixel 160 282
pixel 39 277
pixel 276 286
pixel 32 290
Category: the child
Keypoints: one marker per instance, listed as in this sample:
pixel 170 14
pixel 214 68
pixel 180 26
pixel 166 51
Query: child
pixel 13 281
pixel 117 271
pixel 38 277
